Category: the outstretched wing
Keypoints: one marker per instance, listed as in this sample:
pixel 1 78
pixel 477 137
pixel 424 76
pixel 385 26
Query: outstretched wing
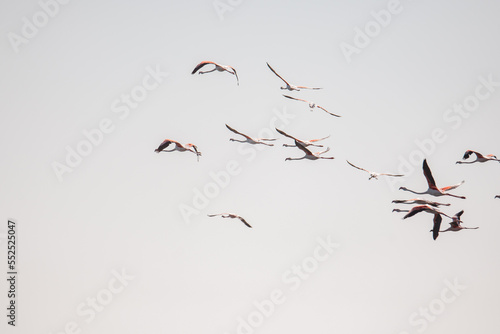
pixel 198 153
pixel 315 140
pixel 428 175
pixel 236 74
pixel 285 134
pixel 395 175
pixel 243 220
pixel 200 65
pixel 416 209
pixel 164 145
pixel 320 107
pixel 304 87
pixel 452 187
pixel 468 153
pixel 303 148
pixel 237 132
pixel 357 167
pixel 437 225
pixel 294 98
pixel 279 76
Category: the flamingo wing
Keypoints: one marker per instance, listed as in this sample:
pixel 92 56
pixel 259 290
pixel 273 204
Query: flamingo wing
pixel 304 87
pixel 200 65
pixel 294 98
pixel 437 225
pixel 456 217
pixel 236 74
pixel 319 153
pixel 320 107
pixel 395 175
pixel 285 134
pixel 163 145
pixel 315 140
pixel 303 148
pixel 357 167
pixel 468 153
pixel 428 175
pixel 237 132
pixel 416 209
pixel 244 221
pixel 452 187
pixel 279 76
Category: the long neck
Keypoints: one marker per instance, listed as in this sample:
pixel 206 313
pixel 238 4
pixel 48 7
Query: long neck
pixel 239 141
pixel 406 189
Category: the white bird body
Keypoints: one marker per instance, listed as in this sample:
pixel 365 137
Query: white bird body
pixel 374 175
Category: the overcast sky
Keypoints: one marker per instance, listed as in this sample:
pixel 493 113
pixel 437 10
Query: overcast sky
pixel 114 238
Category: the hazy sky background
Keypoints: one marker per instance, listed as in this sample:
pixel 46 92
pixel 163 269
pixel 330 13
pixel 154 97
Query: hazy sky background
pixel 119 209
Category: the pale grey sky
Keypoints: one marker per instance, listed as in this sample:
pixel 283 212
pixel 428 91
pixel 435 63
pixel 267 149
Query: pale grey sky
pixel 109 247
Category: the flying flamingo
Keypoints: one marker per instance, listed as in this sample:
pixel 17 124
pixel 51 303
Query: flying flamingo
pixel 250 140
pixel 374 175
pixel 420 208
pixel 456 226
pixel 312 105
pixel 425 208
pixel 479 157
pixel 303 142
pixel 433 190
pixel 178 147
pixel 230 215
pixel 419 201
pixel 289 86
pixel 218 67
pixel 308 154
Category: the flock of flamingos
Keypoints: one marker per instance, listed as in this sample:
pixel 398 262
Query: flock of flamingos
pixel 423 204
